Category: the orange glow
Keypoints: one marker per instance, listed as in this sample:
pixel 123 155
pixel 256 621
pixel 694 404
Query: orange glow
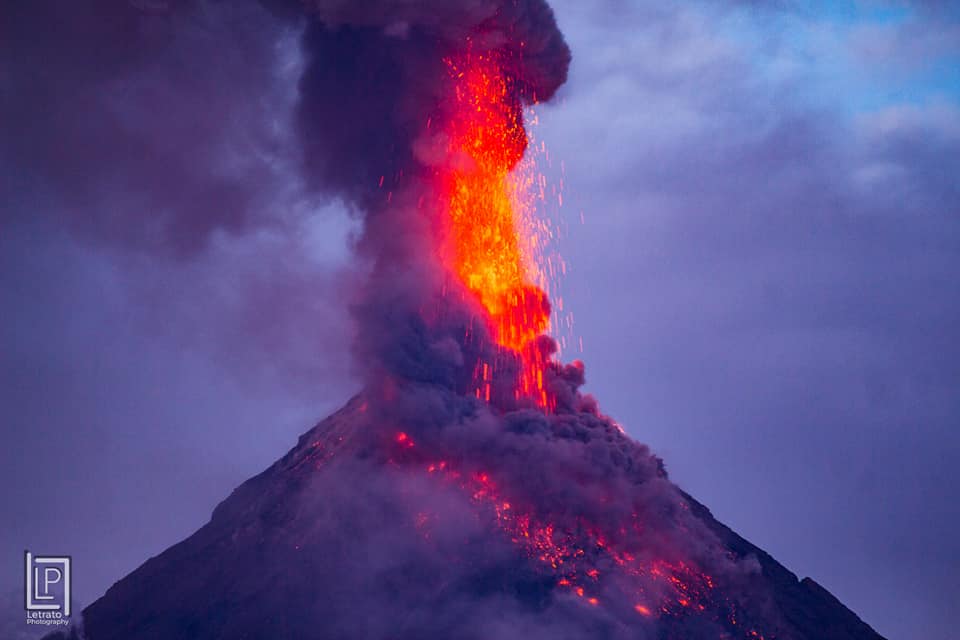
pixel 487 247
pixel 571 557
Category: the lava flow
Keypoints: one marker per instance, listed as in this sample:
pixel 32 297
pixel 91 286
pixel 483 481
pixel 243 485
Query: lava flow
pixel 582 558
pixel 486 248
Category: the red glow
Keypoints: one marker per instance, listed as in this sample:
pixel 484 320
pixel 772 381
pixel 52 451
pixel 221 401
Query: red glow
pixel 487 247
pixel 404 440
pixel 586 561
pixel 575 557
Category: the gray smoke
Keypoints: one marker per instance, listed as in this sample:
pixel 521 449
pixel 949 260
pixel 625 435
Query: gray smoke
pixel 145 129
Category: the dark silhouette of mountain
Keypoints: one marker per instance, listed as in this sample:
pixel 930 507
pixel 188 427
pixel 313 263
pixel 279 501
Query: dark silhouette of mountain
pixel 352 535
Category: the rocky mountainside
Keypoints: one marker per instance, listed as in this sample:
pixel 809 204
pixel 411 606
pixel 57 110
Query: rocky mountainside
pixel 356 534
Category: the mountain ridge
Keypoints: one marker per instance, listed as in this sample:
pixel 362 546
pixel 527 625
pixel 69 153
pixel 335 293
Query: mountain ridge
pixel 242 574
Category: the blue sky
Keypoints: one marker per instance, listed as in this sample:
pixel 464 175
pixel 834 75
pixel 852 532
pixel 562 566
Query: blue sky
pixel 857 56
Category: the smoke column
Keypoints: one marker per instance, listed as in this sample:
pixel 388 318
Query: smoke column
pixel 413 114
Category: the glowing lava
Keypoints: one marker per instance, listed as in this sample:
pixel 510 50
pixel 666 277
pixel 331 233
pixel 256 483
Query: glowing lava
pixel 584 560
pixel 485 246
pixel 660 589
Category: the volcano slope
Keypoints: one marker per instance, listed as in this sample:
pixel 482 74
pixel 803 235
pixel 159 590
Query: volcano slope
pixel 420 513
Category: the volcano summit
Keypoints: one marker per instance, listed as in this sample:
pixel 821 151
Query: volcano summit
pixel 427 515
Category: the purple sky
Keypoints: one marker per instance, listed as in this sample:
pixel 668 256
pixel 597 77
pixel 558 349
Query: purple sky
pixel 765 283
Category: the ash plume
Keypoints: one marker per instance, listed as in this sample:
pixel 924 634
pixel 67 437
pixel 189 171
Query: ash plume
pixel 156 126
pixel 374 76
pixel 374 79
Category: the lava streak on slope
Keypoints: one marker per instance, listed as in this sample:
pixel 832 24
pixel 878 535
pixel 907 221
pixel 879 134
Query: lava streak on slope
pixel 487 246
pixel 600 568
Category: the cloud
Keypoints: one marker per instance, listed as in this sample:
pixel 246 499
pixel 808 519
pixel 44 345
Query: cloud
pixel 147 130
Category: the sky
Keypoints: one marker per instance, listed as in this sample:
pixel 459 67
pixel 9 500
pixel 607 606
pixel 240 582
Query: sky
pixel 761 224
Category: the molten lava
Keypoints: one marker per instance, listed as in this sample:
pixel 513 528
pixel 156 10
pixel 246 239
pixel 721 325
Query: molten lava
pixel 583 559
pixel 485 246
pixel 573 556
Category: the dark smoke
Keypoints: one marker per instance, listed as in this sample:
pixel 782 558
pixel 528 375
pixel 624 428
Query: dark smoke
pixel 158 125
pixel 147 129
pixel 373 77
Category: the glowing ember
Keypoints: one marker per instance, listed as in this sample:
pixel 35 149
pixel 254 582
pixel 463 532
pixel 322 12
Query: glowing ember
pixel 580 556
pixel 573 558
pixel 486 247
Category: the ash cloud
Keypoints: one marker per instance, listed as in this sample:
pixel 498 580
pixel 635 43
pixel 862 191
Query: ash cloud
pixel 374 77
pixel 168 291
pixel 145 126
pixel 159 127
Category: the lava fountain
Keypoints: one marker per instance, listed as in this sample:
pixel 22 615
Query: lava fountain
pixel 486 245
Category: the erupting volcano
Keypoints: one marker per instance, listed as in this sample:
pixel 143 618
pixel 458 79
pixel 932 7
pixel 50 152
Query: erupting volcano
pixel 470 490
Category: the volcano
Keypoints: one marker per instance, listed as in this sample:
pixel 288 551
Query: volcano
pixel 471 490
pixel 466 525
